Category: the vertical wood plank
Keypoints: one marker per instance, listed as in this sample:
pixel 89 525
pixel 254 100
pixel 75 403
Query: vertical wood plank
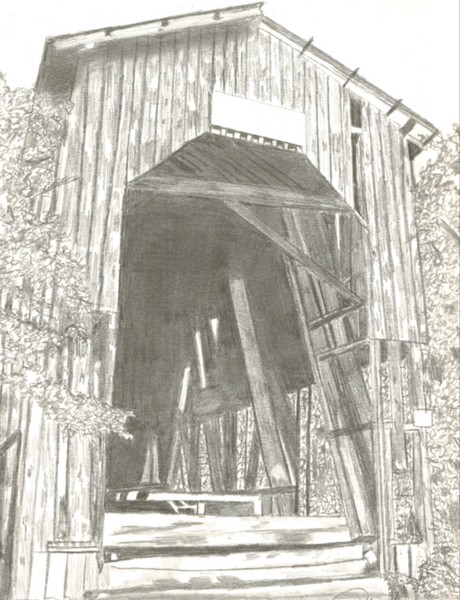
pixel 192 121
pixel 241 79
pixel 110 250
pixel 390 229
pixel 299 67
pixel 75 575
pixel 264 92
pixel 32 427
pixel 287 79
pixel 311 114
pixel 193 467
pixel 253 463
pixel 253 61
pixel 409 232
pixel 206 77
pixel 103 190
pixel 152 81
pixel 346 148
pixel 179 100
pixel 231 59
pixel 91 154
pixel 220 59
pixel 422 476
pixel 56 575
pixel 71 155
pixel 322 103
pixel 396 396
pixel 137 109
pixel 336 135
pixel 275 70
pixel 213 438
pixel 377 315
pixel 384 495
pixel 166 90
pixel 230 451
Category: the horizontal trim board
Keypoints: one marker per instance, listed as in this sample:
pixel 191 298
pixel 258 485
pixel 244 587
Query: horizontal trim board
pixel 245 194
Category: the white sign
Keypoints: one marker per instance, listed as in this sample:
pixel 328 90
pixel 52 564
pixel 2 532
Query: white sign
pixel 258 118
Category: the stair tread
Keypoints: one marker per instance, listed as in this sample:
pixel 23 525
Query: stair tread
pixel 313 588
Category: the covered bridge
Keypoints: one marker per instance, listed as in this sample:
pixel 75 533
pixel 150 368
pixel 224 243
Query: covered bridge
pixel 245 205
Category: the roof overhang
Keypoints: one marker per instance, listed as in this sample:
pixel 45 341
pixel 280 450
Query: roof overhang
pixel 417 129
pixel 157 26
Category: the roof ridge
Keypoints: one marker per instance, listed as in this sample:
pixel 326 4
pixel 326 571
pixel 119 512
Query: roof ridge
pixel 164 21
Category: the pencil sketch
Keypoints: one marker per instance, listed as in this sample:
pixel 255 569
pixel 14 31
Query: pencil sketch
pixel 228 323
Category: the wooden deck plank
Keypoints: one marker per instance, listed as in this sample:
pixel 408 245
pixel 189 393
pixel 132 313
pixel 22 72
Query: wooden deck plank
pixel 320 590
pixel 147 530
pixel 264 559
pixel 125 577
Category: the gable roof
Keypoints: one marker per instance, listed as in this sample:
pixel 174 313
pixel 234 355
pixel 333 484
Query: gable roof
pixel 420 129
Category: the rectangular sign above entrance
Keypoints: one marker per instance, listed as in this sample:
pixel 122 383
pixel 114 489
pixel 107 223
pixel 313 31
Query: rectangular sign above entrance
pixel 258 118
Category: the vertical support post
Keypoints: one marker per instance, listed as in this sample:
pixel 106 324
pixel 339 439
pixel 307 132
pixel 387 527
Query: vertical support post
pixel 230 451
pixel 399 439
pixel 422 476
pixel 253 464
pixel 298 410
pixel 308 445
pixel 384 494
pixel 214 448
pixel 194 479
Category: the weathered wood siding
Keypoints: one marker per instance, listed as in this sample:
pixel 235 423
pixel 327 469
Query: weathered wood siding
pixel 134 103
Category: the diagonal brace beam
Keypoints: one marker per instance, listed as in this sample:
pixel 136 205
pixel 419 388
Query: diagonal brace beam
pixel 292 251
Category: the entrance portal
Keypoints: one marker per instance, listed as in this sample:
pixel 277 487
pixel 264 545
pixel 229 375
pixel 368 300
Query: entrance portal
pixel 217 286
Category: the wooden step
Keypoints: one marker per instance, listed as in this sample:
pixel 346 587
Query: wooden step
pixel 124 530
pixel 131 573
pixel 197 560
pixel 351 588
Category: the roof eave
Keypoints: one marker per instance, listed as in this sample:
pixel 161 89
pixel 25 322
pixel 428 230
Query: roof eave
pixel 359 85
pixel 157 26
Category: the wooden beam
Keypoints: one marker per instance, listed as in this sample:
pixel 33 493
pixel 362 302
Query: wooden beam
pixel 384 494
pixel 193 465
pixel 253 463
pixel 297 282
pixel 397 405
pixel 334 315
pixel 291 250
pixel 271 446
pixel 175 451
pixel 214 448
pixel 230 451
pixel 183 187
pixel 341 349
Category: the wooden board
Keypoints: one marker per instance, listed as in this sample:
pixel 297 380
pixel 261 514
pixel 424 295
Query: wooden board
pixel 139 530
pixel 271 446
